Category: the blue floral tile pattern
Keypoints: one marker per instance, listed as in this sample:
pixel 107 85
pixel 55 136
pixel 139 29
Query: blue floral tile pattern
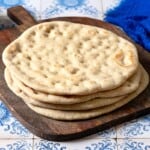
pixel 59 7
pixel 15 145
pixel 4 114
pixel 1 11
pixel 32 8
pixel 102 145
pixel 9 126
pixel 9 3
pixel 45 145
pixel 110 133
pixel 109 4
pixel 106 134
pixel 139 128
pixel 17 128
pixel 83 144
pixel 134 144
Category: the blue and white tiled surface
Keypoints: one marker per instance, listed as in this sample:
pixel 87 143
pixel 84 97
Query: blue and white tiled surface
pixel 133 135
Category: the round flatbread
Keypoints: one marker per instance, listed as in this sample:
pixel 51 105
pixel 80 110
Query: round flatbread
pixel 79 115
pixel 91 104
pixel 128 87
pixel 65 58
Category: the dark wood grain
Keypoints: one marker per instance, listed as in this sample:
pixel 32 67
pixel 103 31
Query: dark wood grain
pixel 21 17
pixel 67 130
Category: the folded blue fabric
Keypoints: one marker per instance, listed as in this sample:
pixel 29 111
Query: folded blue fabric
pixel 134 18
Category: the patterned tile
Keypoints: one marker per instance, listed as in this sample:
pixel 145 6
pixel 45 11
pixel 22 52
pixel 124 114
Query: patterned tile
pixel 55 8
pixel 10 3
pixel 88 144
pixel 32 6
pixel 10 127
pixel 106 134
pixel 2 11
pixel 134 144
pixel 110 133
pixel 108 4
pixel 16 144
pixel 139 128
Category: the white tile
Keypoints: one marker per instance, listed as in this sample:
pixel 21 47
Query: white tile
pixel 59 8
pixel 106 134
pixel 109 4
pixel 139 128
pixel 34 7
pixel 10 127
pixel 97 4
pixel 2 11
pixel 134 144
pixel 9 3
pixel 16 144
pixel 101 16
pixel 110 133
pixel 84 144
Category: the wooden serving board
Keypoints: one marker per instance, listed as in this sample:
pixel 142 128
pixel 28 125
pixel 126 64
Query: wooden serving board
pixel 66 130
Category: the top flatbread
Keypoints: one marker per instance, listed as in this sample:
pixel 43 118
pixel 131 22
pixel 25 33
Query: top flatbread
pixel 69 58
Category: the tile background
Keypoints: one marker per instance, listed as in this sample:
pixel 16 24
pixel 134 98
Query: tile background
pixel 133 135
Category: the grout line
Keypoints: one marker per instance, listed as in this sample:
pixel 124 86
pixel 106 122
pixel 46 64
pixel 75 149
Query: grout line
pixel 0 14
pixel 102 10
pixel 33 143
pixel 102 7
pixel 40 3
pixel 116 128
pixel 116 139
pixel 133 138
pixel 117 143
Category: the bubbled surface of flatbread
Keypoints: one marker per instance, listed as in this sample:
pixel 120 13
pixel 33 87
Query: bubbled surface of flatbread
pixel 69 58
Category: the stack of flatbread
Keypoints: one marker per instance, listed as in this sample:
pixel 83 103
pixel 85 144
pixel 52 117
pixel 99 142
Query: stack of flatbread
pixel 71 71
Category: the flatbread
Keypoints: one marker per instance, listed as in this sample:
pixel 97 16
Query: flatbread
pixel 79 115
pixel 128 87
pixel 67 58
pixel 91 104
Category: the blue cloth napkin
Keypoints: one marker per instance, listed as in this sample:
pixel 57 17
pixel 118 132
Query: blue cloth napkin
pixel 134 18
